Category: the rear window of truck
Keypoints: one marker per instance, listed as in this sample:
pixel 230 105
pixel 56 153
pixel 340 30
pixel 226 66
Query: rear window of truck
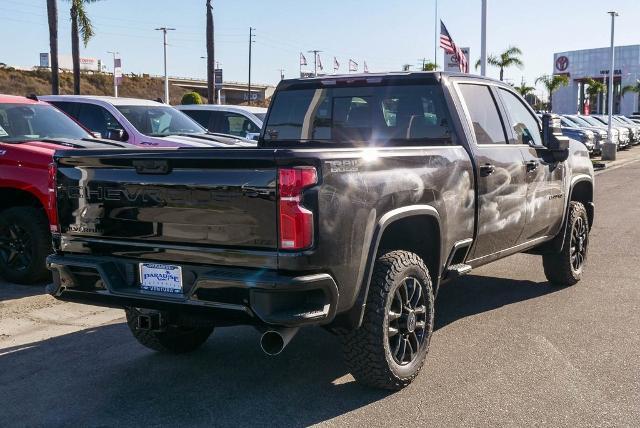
pixel 359 114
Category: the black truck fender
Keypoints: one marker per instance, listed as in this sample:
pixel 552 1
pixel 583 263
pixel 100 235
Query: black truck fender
pixel 580 190
pixel 417 215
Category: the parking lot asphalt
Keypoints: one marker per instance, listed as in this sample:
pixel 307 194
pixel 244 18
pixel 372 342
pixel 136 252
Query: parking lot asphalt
pixel 508 349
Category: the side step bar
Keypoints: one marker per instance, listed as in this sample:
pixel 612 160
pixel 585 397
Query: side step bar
pixel 456 271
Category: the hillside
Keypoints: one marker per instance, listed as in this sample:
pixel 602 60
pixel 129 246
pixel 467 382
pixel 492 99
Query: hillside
pixel 20 82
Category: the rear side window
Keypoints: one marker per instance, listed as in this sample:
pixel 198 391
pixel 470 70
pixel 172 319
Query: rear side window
pixel 237 124
pixel 483 110
pixel 200 116
pixel 359 114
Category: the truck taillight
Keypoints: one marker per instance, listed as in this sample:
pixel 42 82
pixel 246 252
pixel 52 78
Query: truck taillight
pixel 52 209
pixel 296 222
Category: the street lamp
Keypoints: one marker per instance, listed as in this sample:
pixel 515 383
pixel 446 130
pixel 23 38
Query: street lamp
pixel 483 40
pixel 166 78
pixel 609 148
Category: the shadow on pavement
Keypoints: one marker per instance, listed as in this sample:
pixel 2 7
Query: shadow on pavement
pixel 9 291
pixel 103 377
pixel 474 294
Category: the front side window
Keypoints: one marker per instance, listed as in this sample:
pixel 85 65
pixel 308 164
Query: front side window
pixel 524 124
pixel 160 121
pixel 360 114
pixel 26 122
pixel 483 110
pixel 97 118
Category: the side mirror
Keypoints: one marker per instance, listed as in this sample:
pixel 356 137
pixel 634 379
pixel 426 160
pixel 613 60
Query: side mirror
pixel 115 134
pixel 252 136
pixel 552 137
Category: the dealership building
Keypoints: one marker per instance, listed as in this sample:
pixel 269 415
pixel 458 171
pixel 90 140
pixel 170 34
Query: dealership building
pixel 594 64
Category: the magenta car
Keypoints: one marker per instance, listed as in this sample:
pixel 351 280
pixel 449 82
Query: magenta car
pixel 140 122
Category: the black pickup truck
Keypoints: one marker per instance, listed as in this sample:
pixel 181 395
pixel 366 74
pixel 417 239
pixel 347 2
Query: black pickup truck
pixel 365 193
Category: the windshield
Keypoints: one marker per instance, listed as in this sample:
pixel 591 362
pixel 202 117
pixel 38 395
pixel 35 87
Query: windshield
pixel 591 121
pixel 359 114
pixel 578 121
pixel 160 121
pixel 27 122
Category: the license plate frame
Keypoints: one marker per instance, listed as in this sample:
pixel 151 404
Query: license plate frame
pixel 161 278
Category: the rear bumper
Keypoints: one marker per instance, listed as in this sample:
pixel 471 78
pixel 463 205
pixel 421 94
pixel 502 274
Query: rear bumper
pixel 226 295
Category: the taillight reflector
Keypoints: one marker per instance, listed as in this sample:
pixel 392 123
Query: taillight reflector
pixel 52 209
pixel 296 222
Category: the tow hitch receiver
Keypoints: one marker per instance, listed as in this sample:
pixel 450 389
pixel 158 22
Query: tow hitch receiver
pixel 153 321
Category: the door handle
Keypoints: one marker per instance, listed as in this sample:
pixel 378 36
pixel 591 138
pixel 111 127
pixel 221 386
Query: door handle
pixel 531 165
pixel 487 169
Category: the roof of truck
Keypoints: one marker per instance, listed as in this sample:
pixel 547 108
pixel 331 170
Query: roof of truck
pixel 389 75
pixel 119 101
pixel 14 99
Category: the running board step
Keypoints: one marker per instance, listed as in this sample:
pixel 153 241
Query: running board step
pixel 456 271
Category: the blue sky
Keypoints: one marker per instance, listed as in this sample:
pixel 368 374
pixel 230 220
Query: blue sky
pixel 386 34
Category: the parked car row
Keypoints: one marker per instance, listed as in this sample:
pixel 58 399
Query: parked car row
pixel 32 130
pixel 592 130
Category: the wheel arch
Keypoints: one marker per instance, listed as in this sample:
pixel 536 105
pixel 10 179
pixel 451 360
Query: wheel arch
pixel 391 233
pixel 12 197
pixel 582 191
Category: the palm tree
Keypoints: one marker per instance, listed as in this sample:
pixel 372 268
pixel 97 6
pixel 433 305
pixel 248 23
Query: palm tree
pixel 429 66
pixel 595 88
pixel 52 14
pixel 80 26
pixel 552 83
pixel 211 93
pixel 506 59
pixel 631 88
pixel 524 90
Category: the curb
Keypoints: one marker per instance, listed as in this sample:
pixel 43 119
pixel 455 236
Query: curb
pixel 614 166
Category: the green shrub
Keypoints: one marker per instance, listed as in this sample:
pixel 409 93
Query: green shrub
pixel 191 98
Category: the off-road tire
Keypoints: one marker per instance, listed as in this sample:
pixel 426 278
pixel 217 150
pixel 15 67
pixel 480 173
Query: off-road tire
pixel 558 267
pixel 174 339
pixel 367 350
pixel 36 240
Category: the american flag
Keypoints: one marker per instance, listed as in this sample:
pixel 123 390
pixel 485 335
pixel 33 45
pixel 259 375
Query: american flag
pixel 449 46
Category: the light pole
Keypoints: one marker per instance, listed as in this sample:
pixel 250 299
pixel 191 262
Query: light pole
pixel 115 83
pixel 166 78
pixel 436 38
pixel 251 41
pixel 483 40
pixel 609 148
pixel 315 62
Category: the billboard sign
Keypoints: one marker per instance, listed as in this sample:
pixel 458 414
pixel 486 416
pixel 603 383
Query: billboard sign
pixel 451 62
pixel 217 77
pixel 44 59
pixel 117 71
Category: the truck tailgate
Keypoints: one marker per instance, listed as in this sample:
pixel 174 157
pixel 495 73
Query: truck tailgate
pixel 194 197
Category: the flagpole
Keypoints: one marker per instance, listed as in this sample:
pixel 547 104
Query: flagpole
pixel 435 37
pixel 483 38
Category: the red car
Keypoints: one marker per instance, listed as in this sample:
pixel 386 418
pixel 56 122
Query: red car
pixel 30 133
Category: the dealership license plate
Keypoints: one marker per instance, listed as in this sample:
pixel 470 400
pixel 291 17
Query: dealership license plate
pixel 161 278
